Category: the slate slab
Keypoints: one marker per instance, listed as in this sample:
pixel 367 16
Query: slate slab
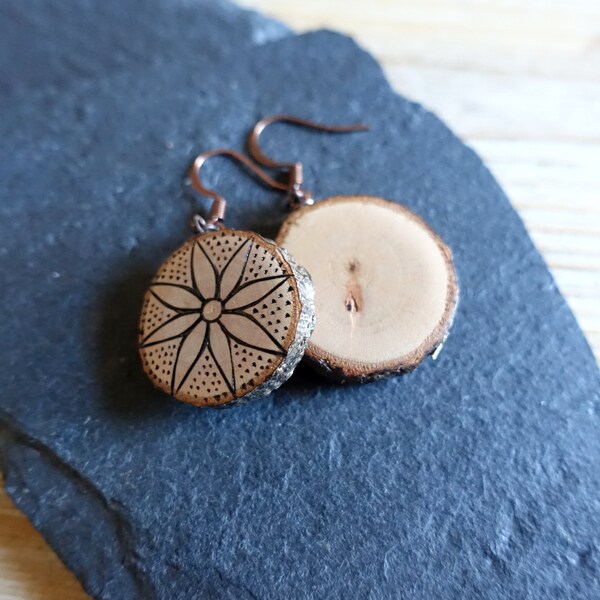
pixel 53 43
pixel 473 477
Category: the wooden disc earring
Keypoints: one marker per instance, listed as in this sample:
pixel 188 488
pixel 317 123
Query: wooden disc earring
pixel 229 314
pixel 385 284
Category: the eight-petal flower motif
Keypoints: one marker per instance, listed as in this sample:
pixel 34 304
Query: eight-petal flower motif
pixel 220 310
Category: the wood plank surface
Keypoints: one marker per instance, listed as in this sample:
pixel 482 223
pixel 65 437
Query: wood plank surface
pixel 519 81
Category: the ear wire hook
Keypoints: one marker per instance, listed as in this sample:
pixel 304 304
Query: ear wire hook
pixel 298 195
pixel 217 210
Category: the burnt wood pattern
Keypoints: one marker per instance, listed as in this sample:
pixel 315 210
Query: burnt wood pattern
pixel 219 317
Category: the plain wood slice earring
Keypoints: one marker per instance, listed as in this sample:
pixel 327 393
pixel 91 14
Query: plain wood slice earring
pixel 229 314
pixel 385 285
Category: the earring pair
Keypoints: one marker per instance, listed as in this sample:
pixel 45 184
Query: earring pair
pixel 230 314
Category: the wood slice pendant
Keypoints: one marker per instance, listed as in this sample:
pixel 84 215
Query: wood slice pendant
pixel 228 316
pixel 385 285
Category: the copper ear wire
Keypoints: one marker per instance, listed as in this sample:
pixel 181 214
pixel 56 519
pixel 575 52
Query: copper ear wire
pixel 217 210
pixel 297 194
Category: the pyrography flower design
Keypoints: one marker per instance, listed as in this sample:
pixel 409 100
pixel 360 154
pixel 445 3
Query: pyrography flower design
pixel 218 304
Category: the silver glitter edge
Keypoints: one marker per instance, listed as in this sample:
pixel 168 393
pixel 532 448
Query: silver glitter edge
pixel 304 329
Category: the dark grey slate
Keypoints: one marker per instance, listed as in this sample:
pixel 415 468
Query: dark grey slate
pixel 54 42
pixel 473 477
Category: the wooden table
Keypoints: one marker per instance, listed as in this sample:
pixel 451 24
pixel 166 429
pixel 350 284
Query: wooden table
pixel 519 81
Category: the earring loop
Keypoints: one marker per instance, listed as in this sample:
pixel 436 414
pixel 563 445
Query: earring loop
pixel 297 193
pixel 217 210
pixel 259 156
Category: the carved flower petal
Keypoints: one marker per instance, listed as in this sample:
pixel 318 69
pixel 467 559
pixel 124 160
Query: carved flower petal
pixel 254 292
pixel 188 355
pixel 221 352
pixel 176 297
pixel 204 272
pixel 246 330
pixel 233 272
pixel 170 329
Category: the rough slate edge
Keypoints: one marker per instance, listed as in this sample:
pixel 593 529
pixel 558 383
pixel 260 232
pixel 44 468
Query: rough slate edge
pixel 54 43
pixel 61 503
pixel 417 114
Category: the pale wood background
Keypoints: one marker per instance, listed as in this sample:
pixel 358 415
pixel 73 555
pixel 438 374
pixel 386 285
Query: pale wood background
pixel 518 80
